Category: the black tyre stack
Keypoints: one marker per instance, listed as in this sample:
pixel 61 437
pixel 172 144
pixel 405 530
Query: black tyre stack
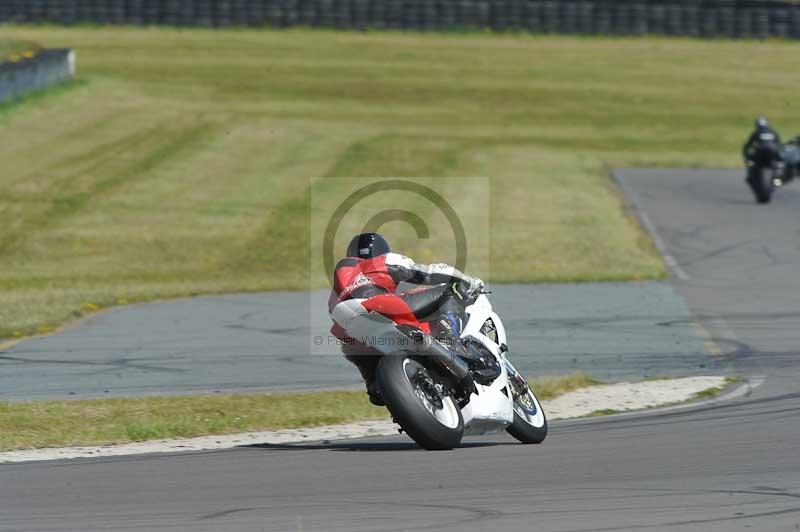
pixel 708 25
pixel 710 18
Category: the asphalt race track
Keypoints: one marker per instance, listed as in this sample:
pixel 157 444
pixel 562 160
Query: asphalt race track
pixel 263 342
pixel 730 466
pixel 740 261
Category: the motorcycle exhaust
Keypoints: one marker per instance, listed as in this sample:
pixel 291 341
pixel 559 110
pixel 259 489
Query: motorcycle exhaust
pixel 444 357
pixel 359 324
pixel 425 345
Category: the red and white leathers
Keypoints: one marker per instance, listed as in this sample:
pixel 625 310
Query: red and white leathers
pixel 374 282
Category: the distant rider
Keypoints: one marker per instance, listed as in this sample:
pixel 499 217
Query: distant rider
pixel 763 138
pixel 371 273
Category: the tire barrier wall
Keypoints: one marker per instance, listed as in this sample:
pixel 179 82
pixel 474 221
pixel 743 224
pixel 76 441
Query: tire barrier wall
pixel 47 67
pixel 706 18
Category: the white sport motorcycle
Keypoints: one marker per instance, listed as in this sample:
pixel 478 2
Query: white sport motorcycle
pixel 436 396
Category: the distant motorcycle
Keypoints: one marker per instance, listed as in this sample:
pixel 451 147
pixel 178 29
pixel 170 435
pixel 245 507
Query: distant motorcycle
pixel 772 166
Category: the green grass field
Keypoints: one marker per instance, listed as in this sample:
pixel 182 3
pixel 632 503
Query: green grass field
pixel 181 162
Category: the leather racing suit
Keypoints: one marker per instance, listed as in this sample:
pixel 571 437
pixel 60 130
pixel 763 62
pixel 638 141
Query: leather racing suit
pixel 439 299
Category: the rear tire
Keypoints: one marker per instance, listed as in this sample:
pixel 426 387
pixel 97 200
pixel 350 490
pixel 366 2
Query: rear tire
pixel 760 180
pixel 434 425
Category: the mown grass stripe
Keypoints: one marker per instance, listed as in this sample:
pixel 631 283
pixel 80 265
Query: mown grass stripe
pixel 98 161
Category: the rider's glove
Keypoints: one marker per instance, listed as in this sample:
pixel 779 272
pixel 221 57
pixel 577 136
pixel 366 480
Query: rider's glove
pixel 468 288
pixel 475 287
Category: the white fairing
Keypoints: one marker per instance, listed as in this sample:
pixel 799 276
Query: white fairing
pixel 491 410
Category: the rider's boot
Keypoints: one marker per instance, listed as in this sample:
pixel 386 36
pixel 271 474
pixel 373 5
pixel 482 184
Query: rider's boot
pixel 366 366
pixel 450 336
pixel 449 333
pixel 373 392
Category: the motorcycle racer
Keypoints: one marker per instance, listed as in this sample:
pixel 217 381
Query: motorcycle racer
pixel 763 137
pixel 371 273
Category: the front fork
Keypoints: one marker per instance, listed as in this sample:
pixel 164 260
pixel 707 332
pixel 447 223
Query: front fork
pixel 519 386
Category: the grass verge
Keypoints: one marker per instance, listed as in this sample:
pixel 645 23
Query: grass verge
pixel 551 387
pixel 710 393
pixel 604 412
pixel 38 424
pixel 49 95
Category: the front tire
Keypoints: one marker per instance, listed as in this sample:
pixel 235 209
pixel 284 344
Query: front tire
pixel 530 423
pixel 432 420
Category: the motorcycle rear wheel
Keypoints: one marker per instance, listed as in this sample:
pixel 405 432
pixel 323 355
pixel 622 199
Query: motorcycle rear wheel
pixel 408 388
pixel 760 180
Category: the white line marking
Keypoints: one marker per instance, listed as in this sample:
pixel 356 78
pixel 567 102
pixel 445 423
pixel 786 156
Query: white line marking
pixel 635 206
pixel 671 262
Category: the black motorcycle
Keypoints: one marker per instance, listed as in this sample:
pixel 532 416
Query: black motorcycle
pixel 772 166
pixel 764 171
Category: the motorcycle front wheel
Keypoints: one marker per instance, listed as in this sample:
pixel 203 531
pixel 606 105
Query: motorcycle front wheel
pixel 530 423
pixel 417 403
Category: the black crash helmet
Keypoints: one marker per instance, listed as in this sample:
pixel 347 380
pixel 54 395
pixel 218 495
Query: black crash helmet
pixel 367 246
pixel 762 122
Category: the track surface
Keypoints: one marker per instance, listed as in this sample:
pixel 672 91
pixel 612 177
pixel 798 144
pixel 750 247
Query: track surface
pixel 252 342
pixel 734 466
